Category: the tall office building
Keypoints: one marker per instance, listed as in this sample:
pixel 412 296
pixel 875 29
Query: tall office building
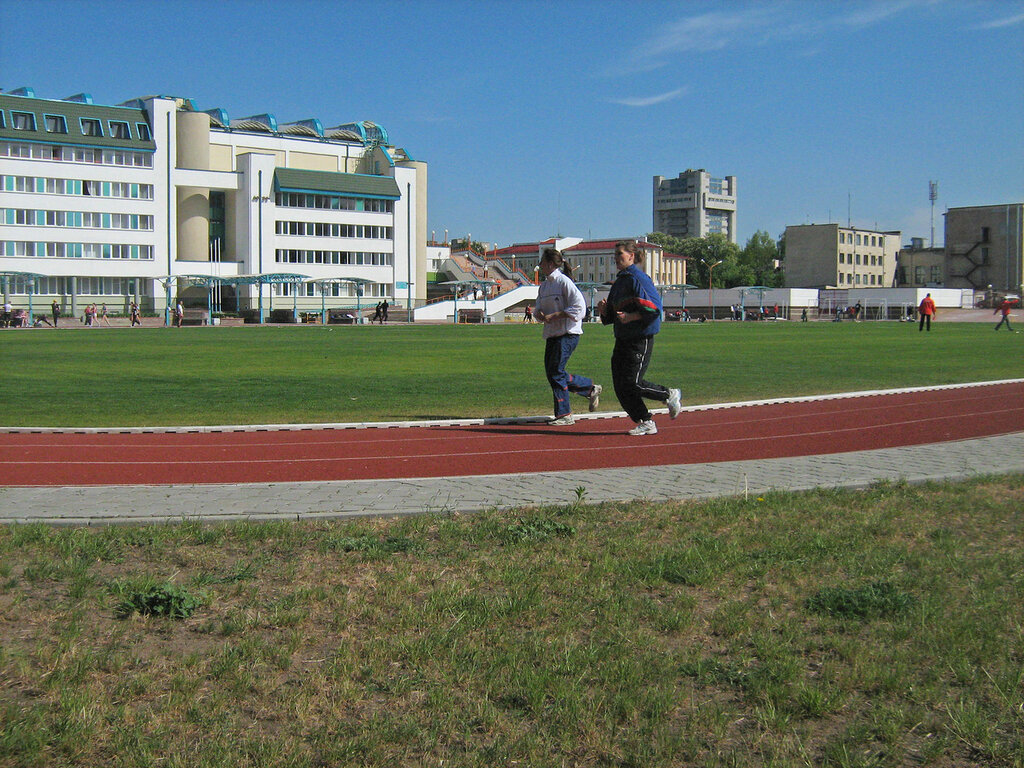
pixel 696 204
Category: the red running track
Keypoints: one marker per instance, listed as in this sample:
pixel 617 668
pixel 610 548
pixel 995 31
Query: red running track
pixel 320 454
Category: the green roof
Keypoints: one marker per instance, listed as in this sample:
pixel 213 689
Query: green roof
pixel 74 113
pixel 343 184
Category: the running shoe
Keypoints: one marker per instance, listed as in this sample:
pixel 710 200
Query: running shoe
pixel 644 428
pixel 562 421
pixel 674 403
pixel 595 397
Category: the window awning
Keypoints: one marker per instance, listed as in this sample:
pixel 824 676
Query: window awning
pixel 341 184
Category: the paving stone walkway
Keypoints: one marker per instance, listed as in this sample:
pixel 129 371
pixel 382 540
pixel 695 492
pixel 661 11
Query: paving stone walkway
pixel 104 505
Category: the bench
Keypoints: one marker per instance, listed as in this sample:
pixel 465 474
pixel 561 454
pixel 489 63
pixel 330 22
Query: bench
pixel 195 316
pixel 341 316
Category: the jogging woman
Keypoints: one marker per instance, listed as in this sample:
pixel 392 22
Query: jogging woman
pixel 634 307
pixel 560 307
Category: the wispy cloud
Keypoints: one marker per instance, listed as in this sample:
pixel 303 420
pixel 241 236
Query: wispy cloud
pixel 868 14
pixel 648 101
pixel 1009 21
pixel 707 32
pixel 759 24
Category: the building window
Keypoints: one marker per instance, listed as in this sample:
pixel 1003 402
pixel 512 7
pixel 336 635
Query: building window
pixel 142 129
pixel 119 130
pixel 984 230
pixel 936 273
pixel 984 255
pixel 23 121
pixel 56 124
pixel 91 127
pixel 919 275
pixel 2 123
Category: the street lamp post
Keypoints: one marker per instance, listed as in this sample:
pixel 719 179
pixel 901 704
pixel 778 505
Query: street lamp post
pixel 711 286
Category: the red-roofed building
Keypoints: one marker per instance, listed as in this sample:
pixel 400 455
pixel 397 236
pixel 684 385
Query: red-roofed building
pixel 594 262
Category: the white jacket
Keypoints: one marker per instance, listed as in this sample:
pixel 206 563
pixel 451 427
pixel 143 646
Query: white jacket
pixel 559 293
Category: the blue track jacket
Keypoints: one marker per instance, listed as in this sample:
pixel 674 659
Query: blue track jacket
pixel 633 291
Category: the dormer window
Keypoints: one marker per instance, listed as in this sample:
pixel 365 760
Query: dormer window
pixel 91 127
pixel 23 121
pixel 119 130
pixel 143 131
pixel 56 124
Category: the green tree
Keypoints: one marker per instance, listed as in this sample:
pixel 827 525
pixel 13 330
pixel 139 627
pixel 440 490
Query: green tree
pixel 670 243
pixel 759 256
pixel 705 251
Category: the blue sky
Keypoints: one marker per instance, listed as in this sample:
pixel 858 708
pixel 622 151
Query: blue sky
pixel 541 118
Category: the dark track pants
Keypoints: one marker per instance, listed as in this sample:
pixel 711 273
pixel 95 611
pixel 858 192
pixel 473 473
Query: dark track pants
pixel 630 359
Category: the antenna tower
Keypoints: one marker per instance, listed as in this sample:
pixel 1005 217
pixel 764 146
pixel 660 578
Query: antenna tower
pixel 933 193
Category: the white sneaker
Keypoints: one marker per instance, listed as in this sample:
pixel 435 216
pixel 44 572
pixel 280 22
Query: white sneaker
pixel 562 421
pixel 595 397
pixel 674 403
pixel 644 428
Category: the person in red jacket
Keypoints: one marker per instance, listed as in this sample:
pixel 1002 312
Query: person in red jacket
pixel 927 312
pixel 1005 308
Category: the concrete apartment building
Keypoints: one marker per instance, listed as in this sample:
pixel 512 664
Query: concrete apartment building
pixel 834 256
pixel 695 204
pixel 154 199
pixel 985 247
pixel 920 267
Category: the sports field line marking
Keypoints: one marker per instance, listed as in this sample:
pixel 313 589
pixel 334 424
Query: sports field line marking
pixel 327 437
pixel 488 421
pixel 652 443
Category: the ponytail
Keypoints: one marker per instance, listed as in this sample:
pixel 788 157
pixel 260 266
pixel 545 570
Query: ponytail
pixel 554 256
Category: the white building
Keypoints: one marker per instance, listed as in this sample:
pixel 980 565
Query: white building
pixel 154 199
pixel 696 204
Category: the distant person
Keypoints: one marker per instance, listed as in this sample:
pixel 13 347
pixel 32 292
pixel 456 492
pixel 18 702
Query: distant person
pixel 133 312
pixel 55 310
pixel 1005 308
pixel 927 312
pixel 8 314
pixel 528 314
pixel 633 308
pixel 103 314
pixel 560 307
pixel 384 311
pixel 803 315
pixel 179 313
pixel 377 314
pixel 857 310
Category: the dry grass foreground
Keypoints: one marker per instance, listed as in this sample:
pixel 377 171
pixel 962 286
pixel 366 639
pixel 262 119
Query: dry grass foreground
pixel 833 628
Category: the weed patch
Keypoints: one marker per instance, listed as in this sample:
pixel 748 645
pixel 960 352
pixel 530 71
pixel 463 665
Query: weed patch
pixel 869 601
pixel 149 598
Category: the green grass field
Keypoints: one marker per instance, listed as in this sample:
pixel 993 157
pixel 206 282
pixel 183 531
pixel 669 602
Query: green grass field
pixel 164 376
pixel 835 628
